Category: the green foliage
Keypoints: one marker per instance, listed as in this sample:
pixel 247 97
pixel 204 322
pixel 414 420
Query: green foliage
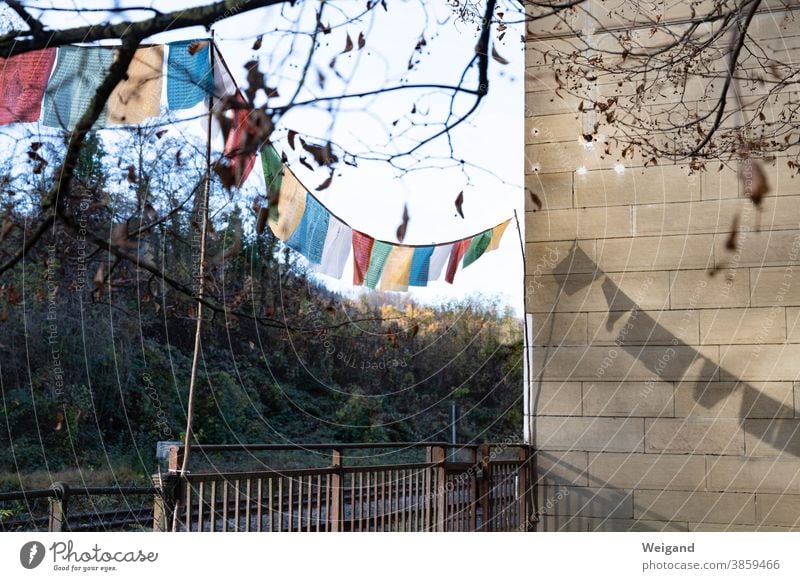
pixel 94 375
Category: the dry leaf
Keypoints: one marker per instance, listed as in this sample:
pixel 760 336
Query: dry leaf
pixel 197 46
pixel 361 40
pixel 324 185
pixel 401 229
pixel 460 203
pixel 132 174
pixel 348 44
pixel 257 43
pixel 536 200
pixel 291 136
pixel 496 56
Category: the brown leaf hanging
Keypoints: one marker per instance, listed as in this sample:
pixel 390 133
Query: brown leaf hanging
pixel 291 136
pixel 348 44
pixel 324 185
pixel 197 46
pixel 257 43
pixel 401 229
pixel 496 56
pixel 460 203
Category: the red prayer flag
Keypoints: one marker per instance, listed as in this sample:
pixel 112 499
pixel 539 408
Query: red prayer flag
pixel 23 80
pixel 241 161
pixel 459 248
pixel 362 248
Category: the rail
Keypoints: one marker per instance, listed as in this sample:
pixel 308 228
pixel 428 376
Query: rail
pixel 485 493
pixel 61 518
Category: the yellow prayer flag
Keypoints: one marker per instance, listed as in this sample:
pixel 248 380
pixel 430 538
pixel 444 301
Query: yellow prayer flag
pixel 291 206
pixel 139 96
pixel 397 269
pixel 497 235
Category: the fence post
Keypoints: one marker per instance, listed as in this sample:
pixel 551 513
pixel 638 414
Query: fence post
pixel 336 507
pixel 174 458
pixel 438 455
pixel 485 486
pixel 523 485
pixel 164 502
pixel 58 513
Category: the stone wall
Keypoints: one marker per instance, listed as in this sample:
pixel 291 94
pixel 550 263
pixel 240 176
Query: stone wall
pixel 665 398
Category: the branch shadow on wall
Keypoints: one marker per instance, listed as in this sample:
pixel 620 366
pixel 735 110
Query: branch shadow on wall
pixel 707 392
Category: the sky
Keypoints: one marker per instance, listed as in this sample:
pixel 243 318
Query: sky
pixel 371 197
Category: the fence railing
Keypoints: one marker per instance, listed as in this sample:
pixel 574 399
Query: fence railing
pixel 63 498
pixel 484 493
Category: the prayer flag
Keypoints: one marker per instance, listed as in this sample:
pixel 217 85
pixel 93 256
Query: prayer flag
pixel 309 236
pixel 78 74
pixel 477 247
pixel 377 260
pixel 458 251
pixel 23 80
pixel 336 249
pixel 497 234
pixel 420 266
pixel 138 97
pixel 241 160
pixel 189 78
pixel 397 270
pixel 291 207
pixel 438 259
pixel 362 249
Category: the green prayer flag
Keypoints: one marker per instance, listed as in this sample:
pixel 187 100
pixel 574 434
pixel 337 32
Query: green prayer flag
pixel 478 245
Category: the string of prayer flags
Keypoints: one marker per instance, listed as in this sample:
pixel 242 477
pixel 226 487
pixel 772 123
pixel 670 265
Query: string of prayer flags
pixel 23 80
pixel 307 226
pixel 56 86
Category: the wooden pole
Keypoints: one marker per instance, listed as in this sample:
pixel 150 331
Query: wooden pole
pixel 202 212
pixel 336 506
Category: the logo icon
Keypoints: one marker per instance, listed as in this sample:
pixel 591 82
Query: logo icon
pixel 31 554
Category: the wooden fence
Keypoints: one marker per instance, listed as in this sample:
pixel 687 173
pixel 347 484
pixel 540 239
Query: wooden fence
pixel 489 492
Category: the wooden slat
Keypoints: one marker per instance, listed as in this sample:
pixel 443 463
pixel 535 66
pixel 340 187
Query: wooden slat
pixel 280 505
pixel 319 501
pixel 269 509
pixel 212 526
pixel 249 501
pixel 308 511
pixel 259 494
pixel 236 506
pixel 290 507
pixel 188 503
pixel 200 491
pixel 225 505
